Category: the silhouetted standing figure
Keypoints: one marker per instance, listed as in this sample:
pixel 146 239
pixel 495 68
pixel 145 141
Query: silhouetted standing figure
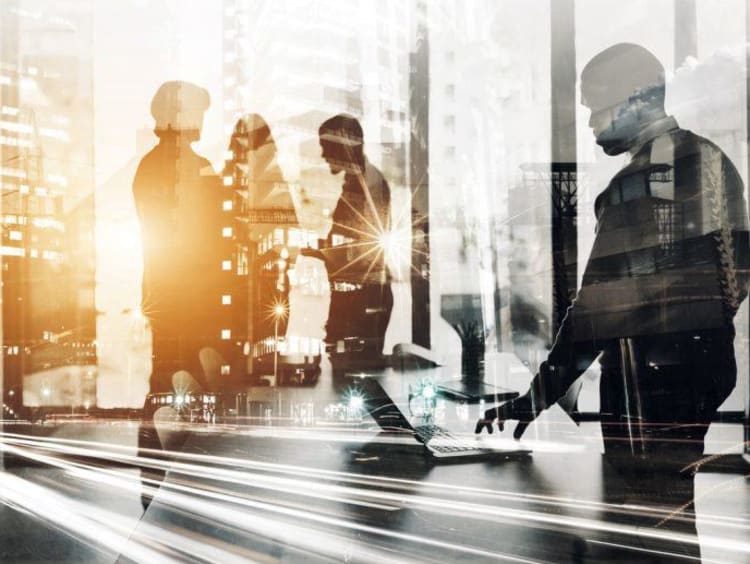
pixel 178 201
pixel 665 278
pixel 361 295
pixel 267 204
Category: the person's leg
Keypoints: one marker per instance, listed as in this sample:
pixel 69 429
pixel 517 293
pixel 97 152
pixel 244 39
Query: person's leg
pixel 659 395
pixel 374 304
pixel 648 513
pixel 149 447
pixel 385 308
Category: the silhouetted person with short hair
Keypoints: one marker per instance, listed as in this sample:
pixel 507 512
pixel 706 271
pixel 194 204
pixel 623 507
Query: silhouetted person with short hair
pixel 361 296
pixel 178 200
pixel 665 278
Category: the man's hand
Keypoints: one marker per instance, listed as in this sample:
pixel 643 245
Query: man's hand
pixel 312 253
pixel 520 409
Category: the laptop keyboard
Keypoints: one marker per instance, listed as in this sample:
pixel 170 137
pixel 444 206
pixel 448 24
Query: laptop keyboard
pixel 442 441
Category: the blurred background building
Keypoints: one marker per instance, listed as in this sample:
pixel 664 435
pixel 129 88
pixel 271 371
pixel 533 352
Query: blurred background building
pixel 46 123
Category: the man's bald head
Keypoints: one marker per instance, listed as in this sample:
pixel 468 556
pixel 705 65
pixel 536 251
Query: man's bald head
pixel 623 86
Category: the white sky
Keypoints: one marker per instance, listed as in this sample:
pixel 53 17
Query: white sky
pixel 140 44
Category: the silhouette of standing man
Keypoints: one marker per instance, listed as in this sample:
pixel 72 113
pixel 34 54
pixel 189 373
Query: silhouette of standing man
pixel 666 275
pixel 178 200
pixel 361 295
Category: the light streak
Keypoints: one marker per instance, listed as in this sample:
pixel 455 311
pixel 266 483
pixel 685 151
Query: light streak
pixel 68 517
pixel 318 474
pixel 184 498
pixel 438 505
pixel 712 489
pixel 695 466
pixel 106 530
pixel 671 555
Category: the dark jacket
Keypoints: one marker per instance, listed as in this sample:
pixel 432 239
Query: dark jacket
pixel 179 202
pixel 354 250
pixel 668 267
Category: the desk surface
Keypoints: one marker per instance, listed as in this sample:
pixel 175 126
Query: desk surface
pixel 354 494
pixel 293 493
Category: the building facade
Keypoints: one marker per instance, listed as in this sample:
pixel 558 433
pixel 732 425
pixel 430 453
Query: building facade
pixel 46 139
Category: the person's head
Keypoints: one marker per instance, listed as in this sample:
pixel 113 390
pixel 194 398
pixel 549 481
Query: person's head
pixel 253 132
pixel 178 108
pixel 342 143
pixel 623 86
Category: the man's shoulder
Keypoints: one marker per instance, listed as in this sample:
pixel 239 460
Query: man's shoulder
pixel 375 181
pixel 154 158
pixel 691 148
pixel 150 168
pixel 204 165
pixel 688 144
pixel 674 148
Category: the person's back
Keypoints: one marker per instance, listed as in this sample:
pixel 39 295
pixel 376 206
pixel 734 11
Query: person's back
pixel 361 223
pixel 661 289
pixel 654 267
pixel 170 188
pixel 361 295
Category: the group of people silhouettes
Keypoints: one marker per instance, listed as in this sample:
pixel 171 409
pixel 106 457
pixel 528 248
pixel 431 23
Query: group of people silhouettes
pixel 179 201
pixel 181 205
pixel 665 278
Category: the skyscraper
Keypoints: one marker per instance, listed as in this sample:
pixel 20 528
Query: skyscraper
pixel 46 111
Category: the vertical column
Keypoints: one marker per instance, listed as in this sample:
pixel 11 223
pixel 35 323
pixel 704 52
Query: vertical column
pixel 563 171
pixel 8 96
pixel 746 421
pixel 419 110
pixel 685 31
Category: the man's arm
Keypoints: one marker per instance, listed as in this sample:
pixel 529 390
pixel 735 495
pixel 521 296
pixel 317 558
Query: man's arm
pixel 567 360
pixel 314 253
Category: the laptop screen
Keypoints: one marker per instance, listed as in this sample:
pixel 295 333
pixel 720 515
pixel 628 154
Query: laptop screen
pixel 381 407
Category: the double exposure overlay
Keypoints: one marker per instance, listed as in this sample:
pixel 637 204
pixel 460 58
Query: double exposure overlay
pixel 374 281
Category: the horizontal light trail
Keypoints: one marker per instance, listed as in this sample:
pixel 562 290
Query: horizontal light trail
pixel 108 531
pixel 185 465
pixel 193 500
pixel 642 550
pixel 371 481
pixel 82 522
pixel 438 505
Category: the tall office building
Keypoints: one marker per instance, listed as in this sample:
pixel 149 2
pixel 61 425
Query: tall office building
pixel 46 134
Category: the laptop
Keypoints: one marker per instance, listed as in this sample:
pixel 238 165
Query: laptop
pixel 474 392
pixel 436 440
